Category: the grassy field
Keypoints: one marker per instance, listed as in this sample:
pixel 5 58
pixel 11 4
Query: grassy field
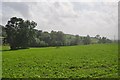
pixel 98 60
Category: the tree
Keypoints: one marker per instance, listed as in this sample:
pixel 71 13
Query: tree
pixel 104 40
pixel 19 32
pixel 86 40
pixel 60 38
pixel 53 38
pixel 77 39
pixel 2 31
pixel 97 36
pixel 57 38
pixel 45 36
pixel 35 41
pixel 3 34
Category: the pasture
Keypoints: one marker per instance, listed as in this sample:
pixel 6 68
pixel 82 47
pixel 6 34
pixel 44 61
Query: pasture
pixel 83 61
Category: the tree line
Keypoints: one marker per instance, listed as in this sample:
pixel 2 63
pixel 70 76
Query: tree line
pixel 19 33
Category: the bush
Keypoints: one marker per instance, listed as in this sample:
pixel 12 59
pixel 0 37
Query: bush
pixel 43 44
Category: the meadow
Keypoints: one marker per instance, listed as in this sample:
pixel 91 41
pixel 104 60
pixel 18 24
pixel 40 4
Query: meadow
pixel 82 61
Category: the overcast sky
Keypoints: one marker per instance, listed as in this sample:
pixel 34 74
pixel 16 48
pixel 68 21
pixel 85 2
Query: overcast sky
pixel 80 18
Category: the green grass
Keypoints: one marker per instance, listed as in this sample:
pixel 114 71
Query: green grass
pixel 97 61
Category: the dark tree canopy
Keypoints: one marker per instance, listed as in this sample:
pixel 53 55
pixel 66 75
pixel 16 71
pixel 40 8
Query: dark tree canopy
pixel 19 32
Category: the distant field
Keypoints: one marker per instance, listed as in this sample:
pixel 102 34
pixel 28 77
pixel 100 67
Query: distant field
pixel 98 60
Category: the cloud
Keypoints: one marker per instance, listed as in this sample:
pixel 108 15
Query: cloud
pixel 70 17
pixel 61 0
pixel 21 8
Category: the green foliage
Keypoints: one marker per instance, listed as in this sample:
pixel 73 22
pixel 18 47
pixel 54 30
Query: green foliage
pixel 77 39
pixel 104 40
pixel 19 32
pixel 57 38
pixel 2 31
pixel 96 61
pixel 87 40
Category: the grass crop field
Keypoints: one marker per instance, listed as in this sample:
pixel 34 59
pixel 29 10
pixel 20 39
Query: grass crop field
pixel 97 61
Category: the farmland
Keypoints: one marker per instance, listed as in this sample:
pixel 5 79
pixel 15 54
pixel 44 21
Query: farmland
pixel 95 60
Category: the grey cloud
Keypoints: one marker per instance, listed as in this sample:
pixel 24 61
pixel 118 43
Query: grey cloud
pixel 20 7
